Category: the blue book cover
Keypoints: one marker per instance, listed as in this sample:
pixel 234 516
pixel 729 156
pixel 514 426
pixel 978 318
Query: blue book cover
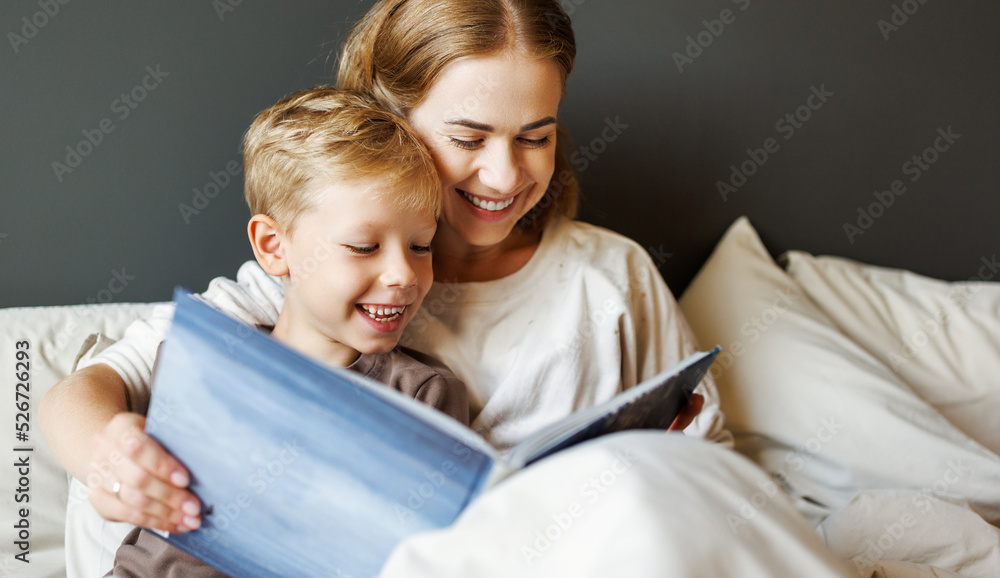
pixel 307 470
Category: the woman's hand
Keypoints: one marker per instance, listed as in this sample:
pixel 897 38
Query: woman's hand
pixel 687 415
pixel 133 479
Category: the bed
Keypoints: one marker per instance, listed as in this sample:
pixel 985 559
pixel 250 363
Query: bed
pixel 864 401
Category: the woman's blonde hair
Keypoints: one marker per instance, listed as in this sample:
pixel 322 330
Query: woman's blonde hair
pixel 398 50
pixel 322 135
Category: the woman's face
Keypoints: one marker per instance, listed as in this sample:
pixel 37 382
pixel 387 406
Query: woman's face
pixel 490 124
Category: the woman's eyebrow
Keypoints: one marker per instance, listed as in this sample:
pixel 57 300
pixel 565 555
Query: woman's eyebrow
pixel 539 123
pixel 489 128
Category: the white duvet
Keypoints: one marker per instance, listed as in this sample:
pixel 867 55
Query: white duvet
pixel 638 504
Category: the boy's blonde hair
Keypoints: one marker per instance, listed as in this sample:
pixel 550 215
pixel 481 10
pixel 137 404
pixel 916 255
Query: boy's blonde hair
pixel 399 49
pixel 324 134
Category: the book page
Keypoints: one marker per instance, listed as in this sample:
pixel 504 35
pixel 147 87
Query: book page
pixel 653 404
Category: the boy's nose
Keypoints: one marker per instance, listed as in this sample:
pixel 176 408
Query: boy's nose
pixel 399 272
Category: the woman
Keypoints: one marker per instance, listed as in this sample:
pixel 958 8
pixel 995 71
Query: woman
pixel 538 314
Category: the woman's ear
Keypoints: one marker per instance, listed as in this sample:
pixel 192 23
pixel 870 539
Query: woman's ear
pixel 267 239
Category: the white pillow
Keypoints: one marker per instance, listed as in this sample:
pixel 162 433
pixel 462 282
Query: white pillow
pixel 811 406
pixel 54 335
pixel 918 528
pixel 942 339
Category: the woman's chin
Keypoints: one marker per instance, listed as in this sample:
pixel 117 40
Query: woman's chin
pixel 479 234
pixel 476 232
pixel 480 228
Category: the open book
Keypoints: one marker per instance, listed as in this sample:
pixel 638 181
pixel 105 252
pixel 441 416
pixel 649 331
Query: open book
pixel 307 470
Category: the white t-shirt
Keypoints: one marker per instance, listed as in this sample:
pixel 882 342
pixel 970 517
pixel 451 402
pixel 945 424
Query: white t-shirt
pixel 587 317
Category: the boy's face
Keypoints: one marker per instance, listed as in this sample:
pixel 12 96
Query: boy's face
pixel 358 268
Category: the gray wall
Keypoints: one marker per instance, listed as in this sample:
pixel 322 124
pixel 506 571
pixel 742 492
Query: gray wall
pixel 691 112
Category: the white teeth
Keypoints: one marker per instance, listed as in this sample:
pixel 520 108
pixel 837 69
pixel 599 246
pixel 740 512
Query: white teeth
pixel 488 205
pixel 383 314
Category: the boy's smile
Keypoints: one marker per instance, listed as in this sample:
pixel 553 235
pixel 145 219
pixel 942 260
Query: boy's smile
pixel 387 318
pixel 358 267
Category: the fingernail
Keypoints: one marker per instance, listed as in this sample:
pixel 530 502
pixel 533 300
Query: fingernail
pixel 179 479
pixel 190 508
pixel 192 523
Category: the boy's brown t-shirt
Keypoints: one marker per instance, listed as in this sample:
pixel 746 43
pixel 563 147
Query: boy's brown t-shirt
pixel 419 376
pixel 143 554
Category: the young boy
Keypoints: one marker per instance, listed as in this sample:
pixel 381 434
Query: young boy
pixel 344 199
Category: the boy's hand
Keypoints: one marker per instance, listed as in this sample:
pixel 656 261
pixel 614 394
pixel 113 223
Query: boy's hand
pixel 133 479
pixel 687 415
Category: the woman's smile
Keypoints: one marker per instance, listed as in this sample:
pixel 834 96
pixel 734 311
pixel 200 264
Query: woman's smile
pixel 487 204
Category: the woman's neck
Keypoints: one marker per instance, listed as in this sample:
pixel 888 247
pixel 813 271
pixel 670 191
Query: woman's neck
pixel 457 261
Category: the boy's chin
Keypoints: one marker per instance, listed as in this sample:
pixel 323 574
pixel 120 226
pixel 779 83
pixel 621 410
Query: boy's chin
pixel 376 348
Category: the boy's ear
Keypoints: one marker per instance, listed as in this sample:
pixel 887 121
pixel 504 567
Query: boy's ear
pixel 266 239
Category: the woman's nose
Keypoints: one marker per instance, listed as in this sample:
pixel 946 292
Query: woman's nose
pixel 500 170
